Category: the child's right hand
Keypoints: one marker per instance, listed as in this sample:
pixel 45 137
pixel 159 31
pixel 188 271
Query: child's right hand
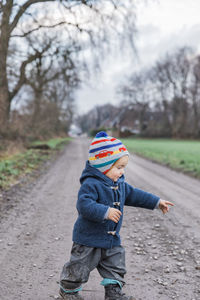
pixel 114 214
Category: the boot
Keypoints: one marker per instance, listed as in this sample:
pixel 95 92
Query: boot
pixel 114 292
pixel 70 296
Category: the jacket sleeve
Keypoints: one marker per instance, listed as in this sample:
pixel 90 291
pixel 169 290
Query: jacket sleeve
pixel 139 198
pixel 87 204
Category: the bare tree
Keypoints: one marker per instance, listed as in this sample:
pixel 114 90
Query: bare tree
pixel 136 92
pixel 171 76
pixel 87 20
pixel 53 77
pixel 164 100
pixel 170 93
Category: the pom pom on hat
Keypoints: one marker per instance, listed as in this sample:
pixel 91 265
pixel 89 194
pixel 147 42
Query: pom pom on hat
pixel 101 134
pixel 104 151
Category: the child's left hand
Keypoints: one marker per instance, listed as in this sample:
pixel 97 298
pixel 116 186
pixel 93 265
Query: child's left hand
pixel 163 205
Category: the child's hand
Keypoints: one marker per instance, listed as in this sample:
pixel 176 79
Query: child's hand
pixel 114 214
pixel 163 205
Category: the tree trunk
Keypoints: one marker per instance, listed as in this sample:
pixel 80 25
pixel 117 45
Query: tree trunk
pixel 36 108
pixel 167 123
pixel 4 92
pixel 196 129
pixel 4 107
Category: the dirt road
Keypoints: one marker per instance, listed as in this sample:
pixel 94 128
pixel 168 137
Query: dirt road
pixel 162 252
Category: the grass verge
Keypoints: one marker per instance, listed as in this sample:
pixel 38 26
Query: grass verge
pixel 16 166
pixel 182 155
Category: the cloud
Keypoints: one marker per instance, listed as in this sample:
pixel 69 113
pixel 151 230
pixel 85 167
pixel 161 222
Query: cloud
pixel 156 45
pixel 162 28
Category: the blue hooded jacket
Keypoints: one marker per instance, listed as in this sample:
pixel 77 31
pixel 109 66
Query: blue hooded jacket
pixel 97 193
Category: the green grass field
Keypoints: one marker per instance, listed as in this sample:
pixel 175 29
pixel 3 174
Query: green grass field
pixel 183 155
pixel 53 143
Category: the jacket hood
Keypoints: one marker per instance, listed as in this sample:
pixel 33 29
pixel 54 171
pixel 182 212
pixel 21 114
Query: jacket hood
pixel 91 171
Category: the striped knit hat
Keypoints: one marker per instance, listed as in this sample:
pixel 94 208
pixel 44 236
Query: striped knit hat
pixel 104 151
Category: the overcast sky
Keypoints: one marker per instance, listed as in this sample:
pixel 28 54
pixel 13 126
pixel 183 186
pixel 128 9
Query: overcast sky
pixel 162 26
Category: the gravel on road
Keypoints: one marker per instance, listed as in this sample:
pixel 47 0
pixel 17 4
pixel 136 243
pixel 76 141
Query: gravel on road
pixel 162 251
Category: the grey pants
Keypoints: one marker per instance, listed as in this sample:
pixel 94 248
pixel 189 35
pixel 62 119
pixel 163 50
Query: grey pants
pixel 110 263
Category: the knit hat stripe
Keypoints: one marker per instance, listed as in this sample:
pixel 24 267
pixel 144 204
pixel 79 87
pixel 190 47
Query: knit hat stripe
pixel 106 163
pixel 117 151
pixel 106 171
pixel 107 159
pixel 104 147
pixel 101 141
pixel 100 160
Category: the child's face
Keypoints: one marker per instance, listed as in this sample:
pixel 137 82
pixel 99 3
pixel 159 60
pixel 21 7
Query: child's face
pixel 117 169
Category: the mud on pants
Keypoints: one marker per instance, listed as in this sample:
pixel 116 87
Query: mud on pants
pixel 110 264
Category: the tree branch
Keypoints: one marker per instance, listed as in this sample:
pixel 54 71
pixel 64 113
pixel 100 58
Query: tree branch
pixel 22 78
pixel 22 10
pixel 39 27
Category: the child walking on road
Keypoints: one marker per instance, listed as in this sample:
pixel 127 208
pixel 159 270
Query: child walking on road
pixel 101 199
